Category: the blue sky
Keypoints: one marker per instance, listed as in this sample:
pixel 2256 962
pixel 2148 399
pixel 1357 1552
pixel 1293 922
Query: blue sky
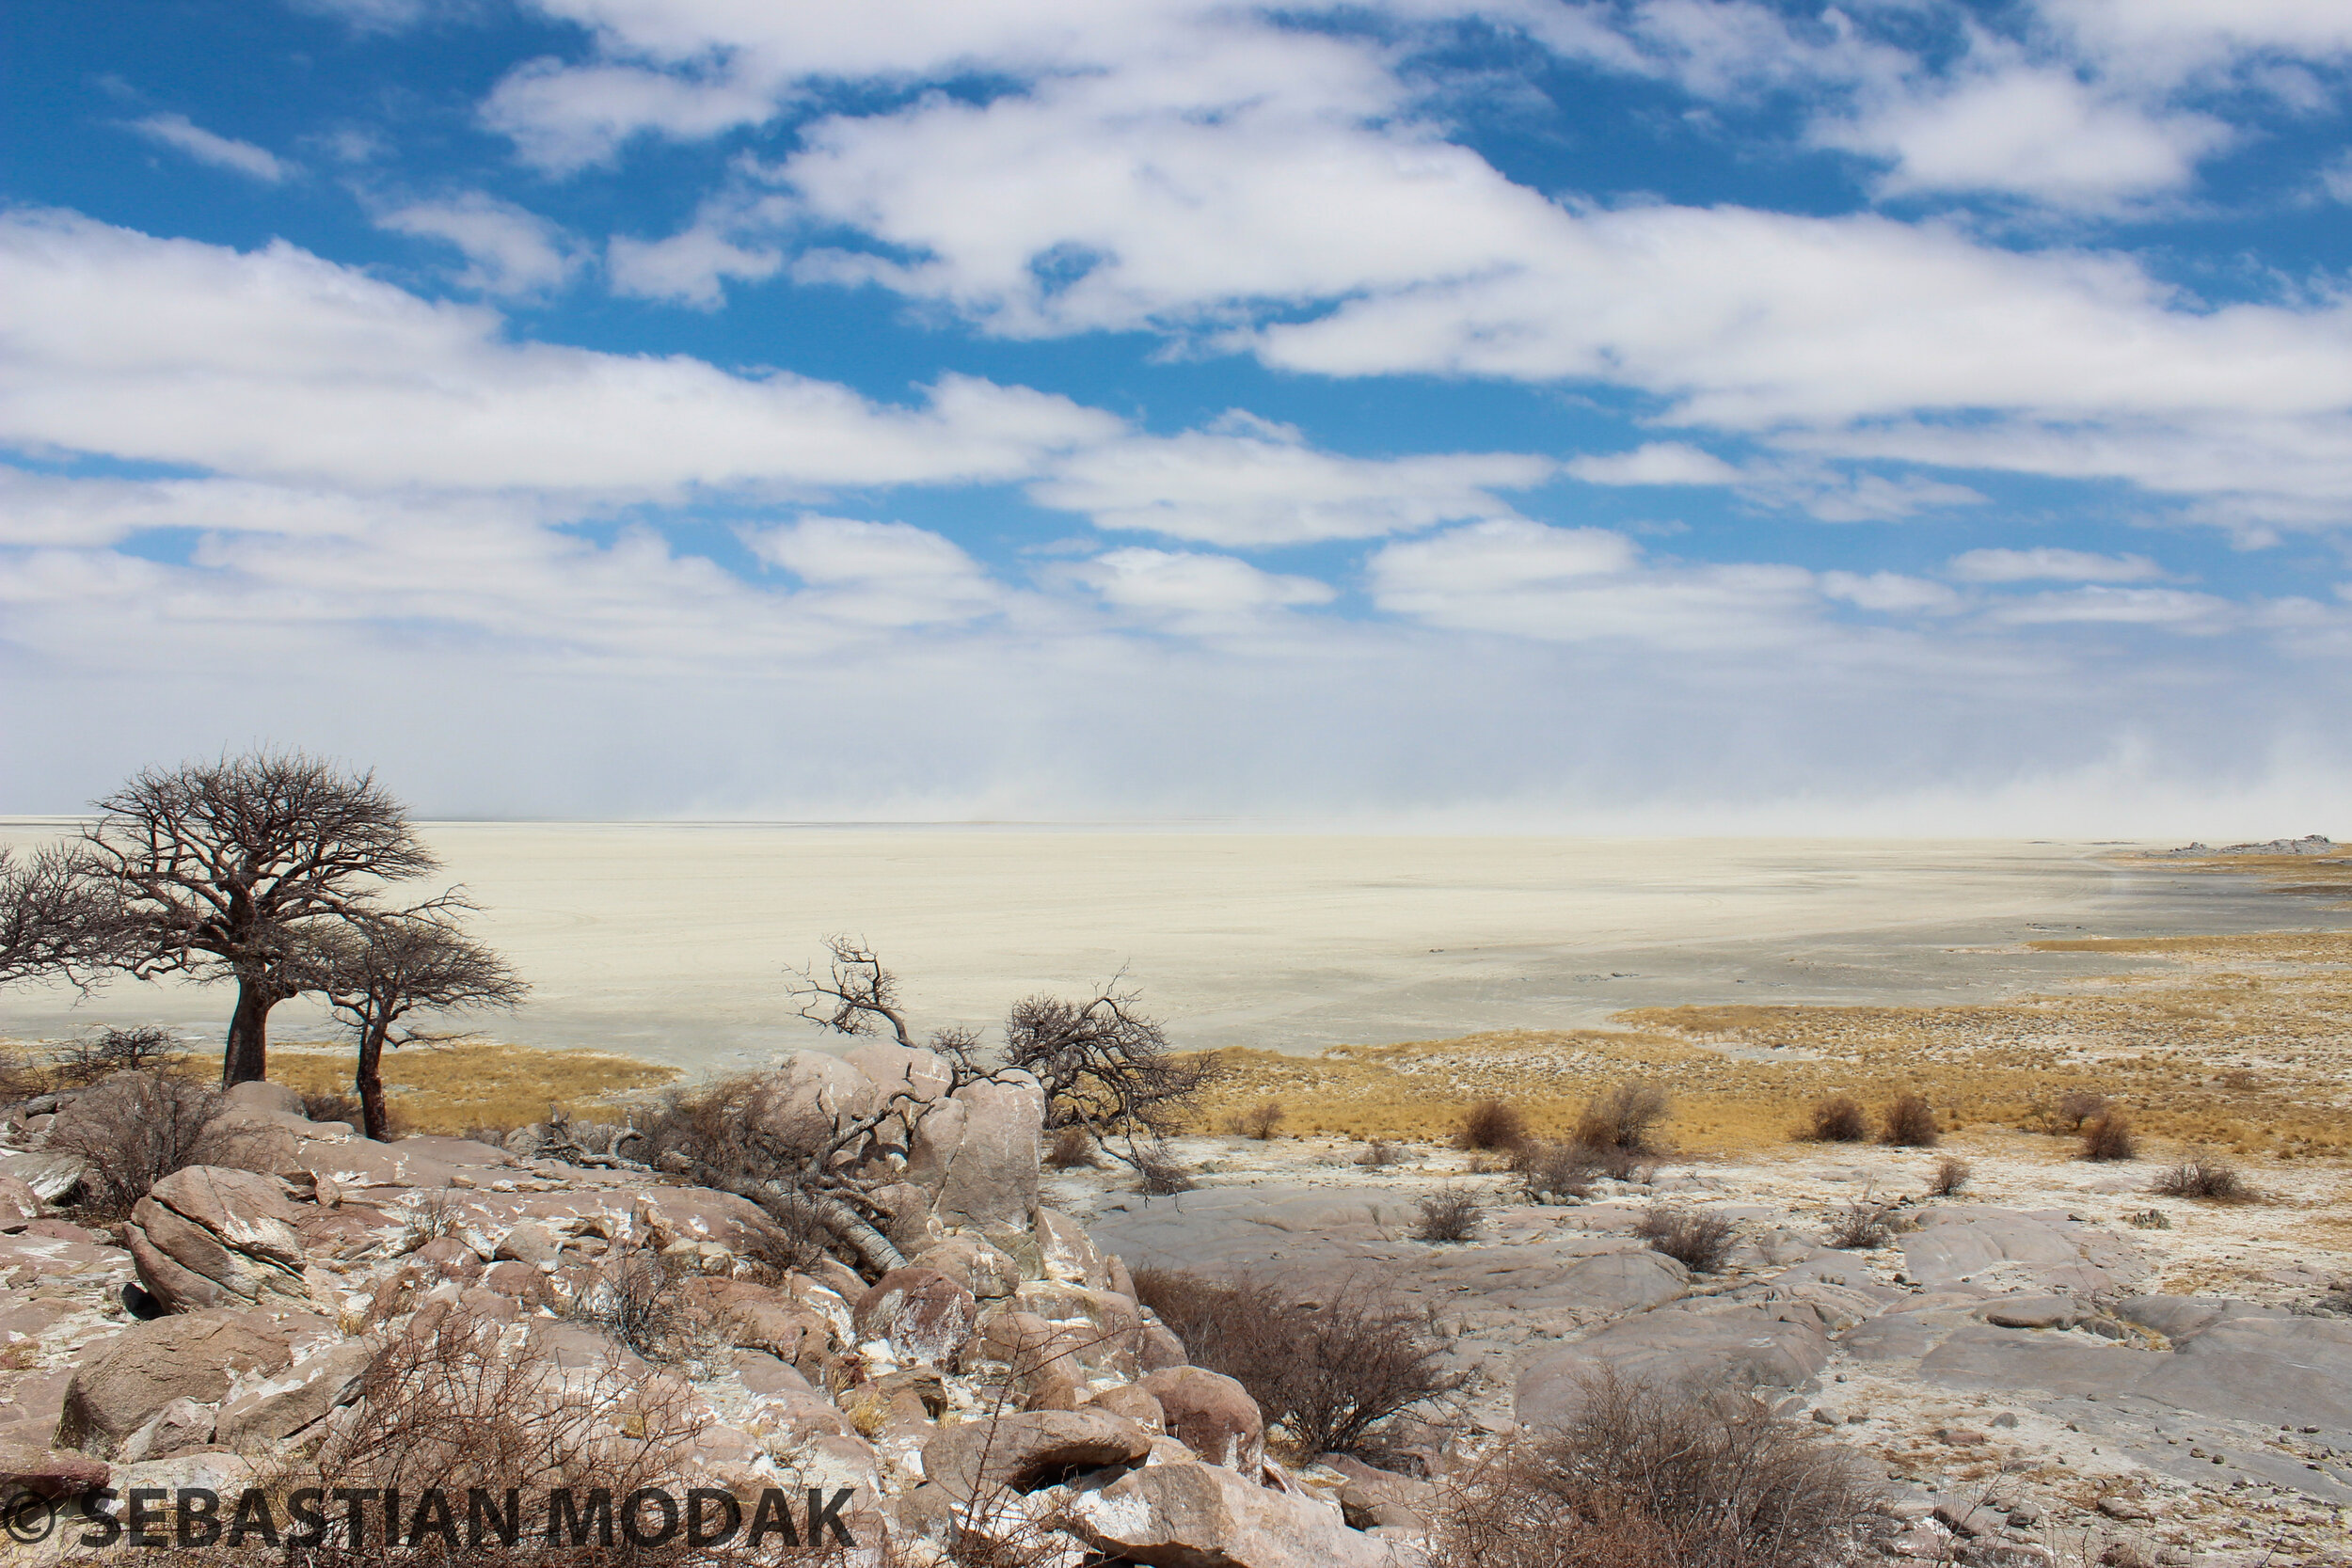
pixel 1668 415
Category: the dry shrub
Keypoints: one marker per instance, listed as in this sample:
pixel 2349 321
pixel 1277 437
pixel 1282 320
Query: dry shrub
pixel 336 1105
pixel 1646 1477
pixel 1333 1372
pixel 1625 1119
pixel 21 1079
pixel 1071 1148
pixel 1839 1119
pixel 1452 1217
pixel 136 1128
pixel 1951 1175
pixel 2108 1136
pixel 2202 1176
pixel 1909 1122
pixel 1697 1241
pixel 1552 1172
pixel 1380 1154
pixel 748 1128
pixel 635 1298
pixel 146 1048
pixel 1861 1225
pixel 1490 1124
pixel 1157 1175
pixel 1261 1121
pixel 2075 1107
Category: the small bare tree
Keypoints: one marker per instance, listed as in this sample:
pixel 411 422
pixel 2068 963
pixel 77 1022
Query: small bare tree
pixel 378 969
pixel 857 996
pixel 55 920
pixel 230 870
pixel 1106 1068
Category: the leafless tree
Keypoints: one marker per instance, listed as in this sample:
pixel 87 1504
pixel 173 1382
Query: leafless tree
pixel 231 869
pixel 378 969
pixel 1107 1068
pixel 857 996
pixel 55 920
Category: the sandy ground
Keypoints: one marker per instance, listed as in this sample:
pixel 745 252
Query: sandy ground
pixel 671 942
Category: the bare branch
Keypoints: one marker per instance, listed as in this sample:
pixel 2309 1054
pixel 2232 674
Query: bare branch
pixel 856 997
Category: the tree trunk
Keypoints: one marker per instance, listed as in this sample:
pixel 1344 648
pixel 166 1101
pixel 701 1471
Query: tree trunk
pixel 369 1082
pixel 248 1056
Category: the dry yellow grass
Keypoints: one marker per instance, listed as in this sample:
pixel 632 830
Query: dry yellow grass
pixel 448 1089
pixel 2245 1043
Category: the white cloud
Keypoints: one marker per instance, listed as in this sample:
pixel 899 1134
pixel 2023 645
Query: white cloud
pixel 1195 592
pixel 2168 608
pixel 1889 592
pixel 2043 134
pixel 877 574
pixel 207 147
pixel 510 251
pixel 2050 562
pixel 565 118
pixel 275 364
pixel 1654 463
pixel 688 267
pixel 1575 585
pixel 1245 483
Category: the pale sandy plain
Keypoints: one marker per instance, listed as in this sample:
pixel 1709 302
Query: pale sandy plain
pixel 671 942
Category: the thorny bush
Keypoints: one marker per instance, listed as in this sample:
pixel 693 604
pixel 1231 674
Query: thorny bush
pixel 2108 1136
pixel 1839 1119
pixel 1909 1122
pixel 136 1128
pixel 1697 1241
pixel 1642 1476
pixel 1332 1371
pixel 1625 1119
pixel 1449 1216
pixel 2202 1176
pixel 1491 1124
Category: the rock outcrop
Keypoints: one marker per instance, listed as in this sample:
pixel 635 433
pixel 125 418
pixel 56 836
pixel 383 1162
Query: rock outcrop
pixel 208 1236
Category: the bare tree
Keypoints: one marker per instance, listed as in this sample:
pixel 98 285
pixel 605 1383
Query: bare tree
pixel 231 870
pixel 55 920
pixel 378 968
pixel 858 996
pixel 1106 1067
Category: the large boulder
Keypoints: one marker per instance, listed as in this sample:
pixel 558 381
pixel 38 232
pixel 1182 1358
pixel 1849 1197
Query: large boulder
pixel 1207 1516
pixel 210 1236
pixel 124 1382
pixel 895 1070
pixel 978 1150
pixel 47 1472
pixel 285 1404
pixel 1024 1451
pixel 921 1312
pixel 1211 1415
pixel 1067 1255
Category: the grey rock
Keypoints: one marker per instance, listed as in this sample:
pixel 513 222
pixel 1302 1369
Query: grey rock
pixel 1741 1346
pixel 1206 1517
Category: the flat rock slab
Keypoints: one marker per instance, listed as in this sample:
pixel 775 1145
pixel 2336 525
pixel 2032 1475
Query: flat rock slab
pixel 1959 1240
pixel 2264 1369
pixel 1674 1347
pixel 1316 1239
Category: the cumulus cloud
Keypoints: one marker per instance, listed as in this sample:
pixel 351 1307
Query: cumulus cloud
pixel 1193 592
pixel 1889 592
pixel 877 574
pixel 311 370
pixel 1653 463
pixel 2049 562
pixel 510 251
pixel 1577 585
pixel 210 148
pixel 2042 133
pixel 2170 608
pixel 1245 483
